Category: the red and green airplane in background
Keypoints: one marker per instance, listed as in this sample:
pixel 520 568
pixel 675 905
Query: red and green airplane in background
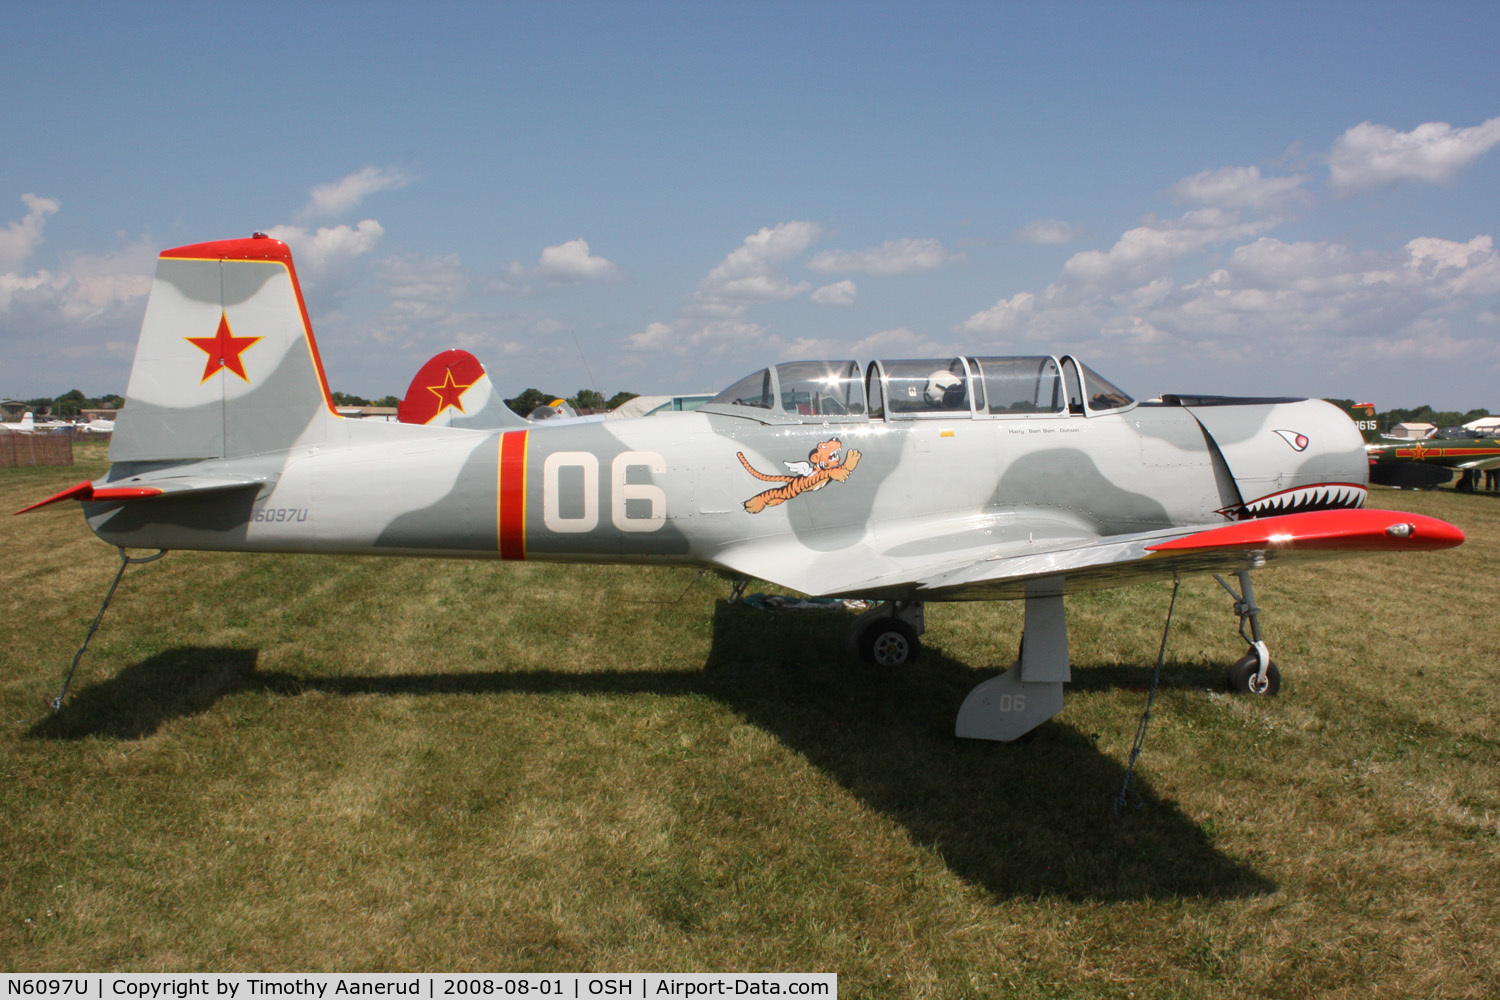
pixel 1423 463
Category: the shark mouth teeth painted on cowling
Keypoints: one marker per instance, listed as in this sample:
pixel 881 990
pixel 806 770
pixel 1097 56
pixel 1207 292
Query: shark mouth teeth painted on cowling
pixel 1302 499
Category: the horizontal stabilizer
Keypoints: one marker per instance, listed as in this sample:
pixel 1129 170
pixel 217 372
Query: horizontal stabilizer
pixel 147 487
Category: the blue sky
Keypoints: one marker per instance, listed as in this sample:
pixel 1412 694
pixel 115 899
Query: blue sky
pixel 1245 199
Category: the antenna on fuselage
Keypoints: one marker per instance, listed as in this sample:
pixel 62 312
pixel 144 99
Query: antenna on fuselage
pixel 584 358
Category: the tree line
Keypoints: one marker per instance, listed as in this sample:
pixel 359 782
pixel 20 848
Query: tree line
pixel 73 402
pixel 1423 414
pixel 583 399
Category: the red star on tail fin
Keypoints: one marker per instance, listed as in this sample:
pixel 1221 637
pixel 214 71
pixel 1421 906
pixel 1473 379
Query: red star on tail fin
pixel 223 350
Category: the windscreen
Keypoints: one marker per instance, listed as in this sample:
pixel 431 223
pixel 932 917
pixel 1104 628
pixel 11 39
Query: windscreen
pixel 1103 394
pixel 752 390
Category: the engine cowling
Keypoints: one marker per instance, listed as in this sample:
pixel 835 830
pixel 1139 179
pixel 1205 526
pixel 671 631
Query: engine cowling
pixel 1285 455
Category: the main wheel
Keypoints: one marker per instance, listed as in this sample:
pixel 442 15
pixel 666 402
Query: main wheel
pixel 889 642
pixel 1244 672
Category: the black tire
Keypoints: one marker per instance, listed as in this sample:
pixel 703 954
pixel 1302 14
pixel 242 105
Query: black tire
pixel 1242 676
pixel 889 642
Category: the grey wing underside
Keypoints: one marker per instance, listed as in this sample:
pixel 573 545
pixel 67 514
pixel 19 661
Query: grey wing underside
pixel 957 568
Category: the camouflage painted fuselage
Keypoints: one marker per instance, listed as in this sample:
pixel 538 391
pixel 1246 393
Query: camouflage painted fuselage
pixel 672 489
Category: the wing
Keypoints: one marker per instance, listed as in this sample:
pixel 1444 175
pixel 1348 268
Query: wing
pixel 1482 462
pixel 948 567
pixel 799 469
pixel 1120 560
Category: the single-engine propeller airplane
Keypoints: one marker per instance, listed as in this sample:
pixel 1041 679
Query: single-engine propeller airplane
pixel 906 481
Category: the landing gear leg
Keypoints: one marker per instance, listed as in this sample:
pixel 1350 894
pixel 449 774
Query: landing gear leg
pixel 888 634
pixel 1255 672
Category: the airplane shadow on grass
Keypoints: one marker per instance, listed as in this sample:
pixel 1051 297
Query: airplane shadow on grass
pixel 1027 819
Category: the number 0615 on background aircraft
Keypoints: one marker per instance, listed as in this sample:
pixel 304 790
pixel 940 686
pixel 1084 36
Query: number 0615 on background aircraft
pixel 903 481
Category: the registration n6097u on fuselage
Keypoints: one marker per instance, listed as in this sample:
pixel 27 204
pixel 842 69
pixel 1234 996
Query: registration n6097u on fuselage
pixel 904 481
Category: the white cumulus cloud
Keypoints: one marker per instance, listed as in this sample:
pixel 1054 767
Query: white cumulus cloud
pixel 898 342
pixel 84 288
pixel 840 293
pixel 19 239
pixel 345 194
pixel 750 273
pixel 328 247
pixel 68 325
pixel 423 287
pixel 1048 232
pixel 1370 155
pixel 1241 188
pixel 1140 254
pixel 771 245
pixel 656 337
pixel 571 262
pixel 1004 315
pixel 100 281
pixel 687 337
pixel 1460 270
pixel 903 256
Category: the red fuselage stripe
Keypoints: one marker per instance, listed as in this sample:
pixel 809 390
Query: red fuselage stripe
pixel 511 516
pixel 1458 452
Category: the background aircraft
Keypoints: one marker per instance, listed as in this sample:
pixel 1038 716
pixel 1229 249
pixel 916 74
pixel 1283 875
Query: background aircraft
pixel 1391 463
pixel 1426 462
pixel 967 478
pixel 30 424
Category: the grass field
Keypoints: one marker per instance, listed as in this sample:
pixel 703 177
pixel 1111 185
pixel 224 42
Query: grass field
pixel 282 763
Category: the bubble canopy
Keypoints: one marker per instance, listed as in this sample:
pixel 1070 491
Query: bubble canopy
pixel 1031 386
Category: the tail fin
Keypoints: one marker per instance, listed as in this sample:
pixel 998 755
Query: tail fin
pixel 1363 415
pixel 226 365
pixel 453 390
